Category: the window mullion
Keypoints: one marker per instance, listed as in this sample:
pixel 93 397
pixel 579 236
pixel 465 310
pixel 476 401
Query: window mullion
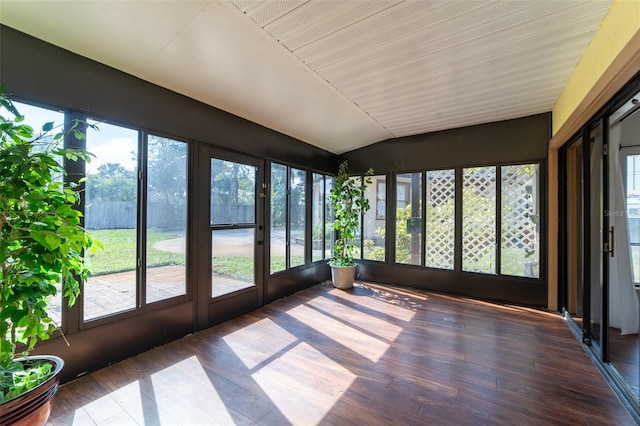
pixel 141 294
pixel 75 172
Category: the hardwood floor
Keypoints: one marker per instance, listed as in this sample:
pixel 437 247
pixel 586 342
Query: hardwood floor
pixel 374 355
pixel 624 353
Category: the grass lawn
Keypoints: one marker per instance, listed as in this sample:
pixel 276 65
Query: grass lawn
pixel 119 253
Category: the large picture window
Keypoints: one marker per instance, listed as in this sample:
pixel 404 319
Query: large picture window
pixel 134 202
pixel 133 269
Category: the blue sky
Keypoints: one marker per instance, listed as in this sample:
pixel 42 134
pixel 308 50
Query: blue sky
pixel 109 144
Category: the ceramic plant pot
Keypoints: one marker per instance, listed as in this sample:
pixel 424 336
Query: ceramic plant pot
pixel 34 407
pixel 343 276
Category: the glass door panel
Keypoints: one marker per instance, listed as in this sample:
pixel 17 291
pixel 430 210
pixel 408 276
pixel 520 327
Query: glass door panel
pixel 232 263
pixel 624 271
pixel 596 232
pixel 233 225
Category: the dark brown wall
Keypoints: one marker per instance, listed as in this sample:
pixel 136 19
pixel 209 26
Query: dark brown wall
pixel 511 141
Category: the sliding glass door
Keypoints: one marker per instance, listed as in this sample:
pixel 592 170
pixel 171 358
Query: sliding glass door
pixel 624 219
pixel 600 235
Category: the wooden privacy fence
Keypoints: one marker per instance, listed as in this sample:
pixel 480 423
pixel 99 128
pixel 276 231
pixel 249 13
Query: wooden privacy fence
pixel 123 214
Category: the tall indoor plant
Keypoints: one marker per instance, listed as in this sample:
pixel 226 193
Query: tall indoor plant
pixel 349 203
pixel 42 245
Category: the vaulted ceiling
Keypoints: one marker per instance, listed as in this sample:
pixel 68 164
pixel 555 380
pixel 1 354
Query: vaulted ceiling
pixel 338 74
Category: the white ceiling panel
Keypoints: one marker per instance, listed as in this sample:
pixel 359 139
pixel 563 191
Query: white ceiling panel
pixel 123 34
pixel 335 74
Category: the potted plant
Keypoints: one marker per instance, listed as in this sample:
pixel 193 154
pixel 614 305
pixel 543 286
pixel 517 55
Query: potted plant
pixel 349 204
pixel 42 245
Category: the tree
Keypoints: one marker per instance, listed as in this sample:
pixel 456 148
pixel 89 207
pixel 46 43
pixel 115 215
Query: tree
pixel 112 182
pixel 166 174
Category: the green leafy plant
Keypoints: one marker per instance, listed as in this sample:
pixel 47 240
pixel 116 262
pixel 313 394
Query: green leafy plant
pixel 349 204
pixel 42 242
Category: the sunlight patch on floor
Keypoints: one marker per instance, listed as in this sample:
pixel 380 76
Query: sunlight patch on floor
pixel 173 389
pixel 342 333
pixel 258 342
pixel 289 388
pixel 393 305
pixel 379 327
pixel 123 406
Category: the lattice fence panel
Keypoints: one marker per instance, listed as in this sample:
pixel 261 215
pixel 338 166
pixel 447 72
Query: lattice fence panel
pixel 519 218
pixel 441 213
pixel 479 220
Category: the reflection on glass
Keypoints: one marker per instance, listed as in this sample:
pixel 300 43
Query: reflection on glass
pixel 374 219
pixel 36 117
pixel 317 217
pixel 479 220
pixel 111 217
pixel 633 212
pixel 166 218
pixel 441 219
pixel 232 265
pixel 595 252
pixel 520 213
pixel 278 210
pixel 297 216
pixel 409 218
pixel 233 192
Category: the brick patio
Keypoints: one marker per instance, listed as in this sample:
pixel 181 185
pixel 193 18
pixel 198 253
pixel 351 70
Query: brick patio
pixel 112 293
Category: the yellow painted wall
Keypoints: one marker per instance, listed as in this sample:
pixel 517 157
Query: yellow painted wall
pixel 612 58
pixel 619 26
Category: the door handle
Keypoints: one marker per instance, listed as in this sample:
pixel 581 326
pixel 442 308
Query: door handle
pixel 612 241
